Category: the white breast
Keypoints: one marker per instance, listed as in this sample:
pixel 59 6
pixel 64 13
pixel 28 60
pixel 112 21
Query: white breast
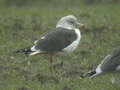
pixel 74 44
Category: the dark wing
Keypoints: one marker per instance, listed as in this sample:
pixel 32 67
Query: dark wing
pixel 111 61
pixel 56 40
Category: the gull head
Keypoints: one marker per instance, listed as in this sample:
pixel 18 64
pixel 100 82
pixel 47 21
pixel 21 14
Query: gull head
pixel 69 22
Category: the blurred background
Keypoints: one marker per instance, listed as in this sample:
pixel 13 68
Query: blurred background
pixel 23 21
pixel 53 3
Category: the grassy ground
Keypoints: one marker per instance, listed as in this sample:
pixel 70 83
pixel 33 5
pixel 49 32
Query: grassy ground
pixel 19 27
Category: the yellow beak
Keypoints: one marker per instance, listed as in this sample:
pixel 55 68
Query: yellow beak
pixel 81 26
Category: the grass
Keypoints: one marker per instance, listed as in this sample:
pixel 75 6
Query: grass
pixel 19 27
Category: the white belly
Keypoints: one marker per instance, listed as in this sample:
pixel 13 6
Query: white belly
pixel 74 44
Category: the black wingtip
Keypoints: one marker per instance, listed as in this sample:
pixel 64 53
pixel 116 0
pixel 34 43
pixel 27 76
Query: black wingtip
pixel 24 51
pixel 90 73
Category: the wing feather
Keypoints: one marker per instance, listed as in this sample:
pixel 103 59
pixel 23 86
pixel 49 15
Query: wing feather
pixel 56 40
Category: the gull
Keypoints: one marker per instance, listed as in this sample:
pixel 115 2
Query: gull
pixel 61 40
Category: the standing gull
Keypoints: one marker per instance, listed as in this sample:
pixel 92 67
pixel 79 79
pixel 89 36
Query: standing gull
pixel 63 39
pixel 111 63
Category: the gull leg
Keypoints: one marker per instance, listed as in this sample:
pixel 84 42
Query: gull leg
pixel 62 62
pixel 58 65
pixel 51 64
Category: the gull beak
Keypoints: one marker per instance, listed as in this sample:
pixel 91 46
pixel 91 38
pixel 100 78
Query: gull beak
pixel 81 26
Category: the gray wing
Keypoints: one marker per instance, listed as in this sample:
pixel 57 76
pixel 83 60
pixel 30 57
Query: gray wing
pixel 111 61
pixel 55 40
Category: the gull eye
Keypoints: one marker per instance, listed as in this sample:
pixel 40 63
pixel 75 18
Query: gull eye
pixel 71 22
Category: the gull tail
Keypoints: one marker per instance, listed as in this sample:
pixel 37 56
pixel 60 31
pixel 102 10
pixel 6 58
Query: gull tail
pixel 28 51
pixel 90 73
pixel 24 51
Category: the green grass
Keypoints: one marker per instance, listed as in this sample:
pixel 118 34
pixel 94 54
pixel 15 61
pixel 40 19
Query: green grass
pixel 19 27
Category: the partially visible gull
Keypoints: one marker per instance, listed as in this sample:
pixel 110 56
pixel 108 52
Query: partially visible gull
pixel 63 39
pixel 110 64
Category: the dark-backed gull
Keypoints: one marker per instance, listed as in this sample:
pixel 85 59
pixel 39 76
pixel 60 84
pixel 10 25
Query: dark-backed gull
pixel 61 40
pixel 111 63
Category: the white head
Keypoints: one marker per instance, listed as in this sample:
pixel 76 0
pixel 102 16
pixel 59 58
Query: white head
pixel 69 22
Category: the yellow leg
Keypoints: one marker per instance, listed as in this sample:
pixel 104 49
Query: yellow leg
pixel 51 64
